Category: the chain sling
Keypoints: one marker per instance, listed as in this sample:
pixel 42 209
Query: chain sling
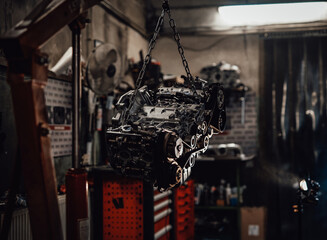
pixel 189 77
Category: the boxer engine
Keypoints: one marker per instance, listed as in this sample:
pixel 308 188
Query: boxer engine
pixel 165 131
pixel 157 134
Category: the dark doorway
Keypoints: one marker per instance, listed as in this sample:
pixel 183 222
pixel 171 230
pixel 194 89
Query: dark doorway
pixel 293 131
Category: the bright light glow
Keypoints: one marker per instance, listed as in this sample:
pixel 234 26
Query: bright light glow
pixel 267 14
pixel 303 185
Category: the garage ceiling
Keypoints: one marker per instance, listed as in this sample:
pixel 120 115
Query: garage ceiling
pixel 212 3
pixel 200 17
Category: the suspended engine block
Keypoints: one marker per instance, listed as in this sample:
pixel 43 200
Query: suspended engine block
pixel 164 131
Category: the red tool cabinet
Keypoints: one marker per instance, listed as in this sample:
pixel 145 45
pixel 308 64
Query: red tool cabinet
pixel 184 211
pixel 129 208
pixel 122 208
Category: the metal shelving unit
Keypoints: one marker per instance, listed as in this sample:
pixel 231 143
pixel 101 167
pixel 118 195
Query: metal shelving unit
pixel 230 168
pixel 216 208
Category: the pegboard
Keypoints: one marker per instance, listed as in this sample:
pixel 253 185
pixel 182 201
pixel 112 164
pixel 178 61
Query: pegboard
pixel 122 209
pixel 58 100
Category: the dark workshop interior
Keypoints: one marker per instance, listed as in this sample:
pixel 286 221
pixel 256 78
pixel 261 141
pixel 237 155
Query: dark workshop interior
pixel 163 120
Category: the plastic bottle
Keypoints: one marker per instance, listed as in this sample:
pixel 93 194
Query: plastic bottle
pixel 228 192
pixel 221 198
pixel 241 193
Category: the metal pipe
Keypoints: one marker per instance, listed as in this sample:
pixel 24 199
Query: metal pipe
pixel 109 8
pixel 162 231
pixel 162 195
pixel 161 205
pixel 161 215
pixel 76 88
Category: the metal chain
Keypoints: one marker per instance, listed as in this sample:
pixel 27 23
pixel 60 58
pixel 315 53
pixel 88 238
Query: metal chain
pixel 165 8
pixel 177 38
pixel 151 47
pixel 145 63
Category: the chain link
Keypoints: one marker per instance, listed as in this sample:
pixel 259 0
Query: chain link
pixel 145 63
pixel 165 8
pixel 179 45
pixel 151 47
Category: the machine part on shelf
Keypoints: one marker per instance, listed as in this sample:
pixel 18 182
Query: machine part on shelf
pixel 228 75
pixel 222 72
pixel 225 151
pixel 162 215
pixel 162 232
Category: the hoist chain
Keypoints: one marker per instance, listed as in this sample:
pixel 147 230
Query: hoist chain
pixel 151 47
pixel 177 38
pixel 147 59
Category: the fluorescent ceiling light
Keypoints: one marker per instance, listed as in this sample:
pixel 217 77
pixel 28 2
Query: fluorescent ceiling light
pixel 267 14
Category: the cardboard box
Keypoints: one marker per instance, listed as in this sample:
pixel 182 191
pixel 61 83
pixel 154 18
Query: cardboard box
pixel 253 223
